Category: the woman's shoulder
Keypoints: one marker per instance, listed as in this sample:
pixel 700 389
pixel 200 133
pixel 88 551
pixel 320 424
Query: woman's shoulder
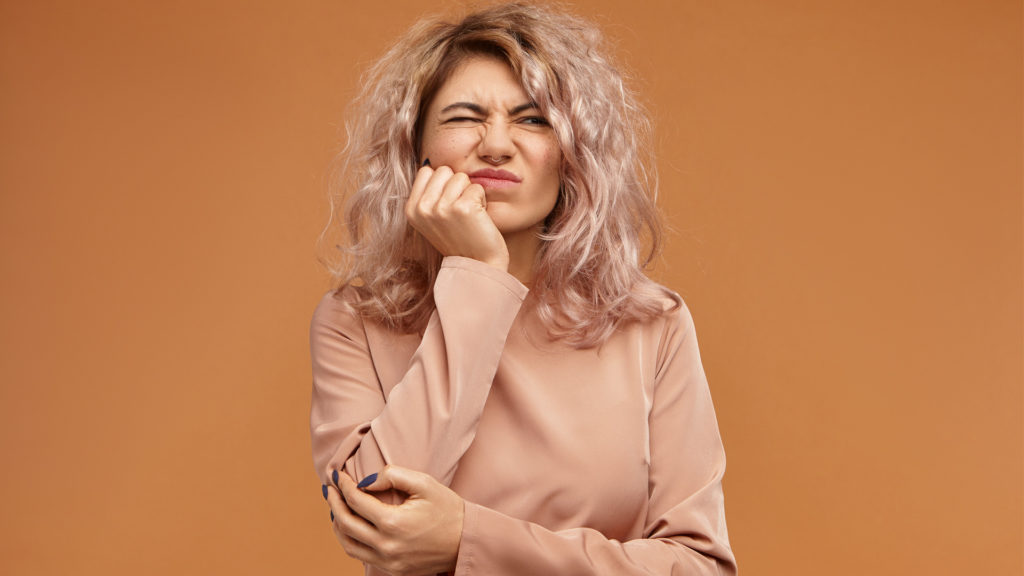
pixel 667 304
pixel 338 301
pixel 336 313
pixel 670 318
pixel 670 331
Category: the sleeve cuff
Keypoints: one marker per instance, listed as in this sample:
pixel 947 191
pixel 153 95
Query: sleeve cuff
pixel 470 520
pixel 508 281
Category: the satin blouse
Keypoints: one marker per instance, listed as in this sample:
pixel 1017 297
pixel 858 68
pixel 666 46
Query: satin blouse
pixel 599 461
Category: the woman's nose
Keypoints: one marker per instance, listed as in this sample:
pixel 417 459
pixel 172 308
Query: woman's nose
pixel 496 145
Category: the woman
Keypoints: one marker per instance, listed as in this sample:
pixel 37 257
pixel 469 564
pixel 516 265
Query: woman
pixel 510 391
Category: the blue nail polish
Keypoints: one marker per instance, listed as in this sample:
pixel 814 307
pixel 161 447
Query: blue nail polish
pixel 323 487
pixel 426 161
pixel 367 481
pixel 334 476
pixel 332 515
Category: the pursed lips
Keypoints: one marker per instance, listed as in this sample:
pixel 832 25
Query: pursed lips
pixel 492 179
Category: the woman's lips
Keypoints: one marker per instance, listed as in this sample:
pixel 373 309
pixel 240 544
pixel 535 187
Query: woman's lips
pixel 492 179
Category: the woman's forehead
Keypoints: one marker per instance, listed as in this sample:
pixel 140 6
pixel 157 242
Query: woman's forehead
pixel 483 81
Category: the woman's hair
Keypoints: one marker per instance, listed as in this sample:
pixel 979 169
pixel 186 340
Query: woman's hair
pixel 604 228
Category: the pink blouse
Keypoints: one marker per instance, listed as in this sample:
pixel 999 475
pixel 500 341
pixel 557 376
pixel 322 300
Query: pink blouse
pixel 599 461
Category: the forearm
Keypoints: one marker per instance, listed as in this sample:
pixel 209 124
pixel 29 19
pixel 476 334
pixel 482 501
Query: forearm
pixel 497 544
pixel 428 419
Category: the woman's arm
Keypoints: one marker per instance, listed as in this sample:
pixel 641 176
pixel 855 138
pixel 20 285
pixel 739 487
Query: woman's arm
pixel 685 531
pixel 430 416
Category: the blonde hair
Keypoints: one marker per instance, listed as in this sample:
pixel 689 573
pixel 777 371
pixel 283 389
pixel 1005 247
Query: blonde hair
pixel 604 228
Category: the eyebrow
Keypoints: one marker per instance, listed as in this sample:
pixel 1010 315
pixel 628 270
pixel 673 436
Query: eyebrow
pixel 478 109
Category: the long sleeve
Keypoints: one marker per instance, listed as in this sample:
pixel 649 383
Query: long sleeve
pixel 428 419
pixel 684 530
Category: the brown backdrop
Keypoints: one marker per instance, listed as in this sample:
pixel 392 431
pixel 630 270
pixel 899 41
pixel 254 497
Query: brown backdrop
pixel 844 181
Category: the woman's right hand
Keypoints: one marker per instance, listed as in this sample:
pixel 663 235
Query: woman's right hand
pixel 451 213
pixel 421 535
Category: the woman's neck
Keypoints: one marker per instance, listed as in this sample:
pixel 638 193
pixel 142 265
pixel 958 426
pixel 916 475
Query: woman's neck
pixel 522 254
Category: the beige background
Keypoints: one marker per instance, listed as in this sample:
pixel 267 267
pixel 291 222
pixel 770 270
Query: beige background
pixel 844 181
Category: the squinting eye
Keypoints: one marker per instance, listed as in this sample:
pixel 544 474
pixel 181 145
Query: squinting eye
pixel 535 121
pixel 461 119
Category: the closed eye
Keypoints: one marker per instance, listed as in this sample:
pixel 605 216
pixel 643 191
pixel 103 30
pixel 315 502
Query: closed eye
pixel 457 119
pixel 534 121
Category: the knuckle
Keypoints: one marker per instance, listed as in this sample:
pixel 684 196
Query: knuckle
pixel 390 549
pixel 390 523
pixel 400 567
pixel 463 208
pixel 352 549
pixel 343 524
pixel 421 213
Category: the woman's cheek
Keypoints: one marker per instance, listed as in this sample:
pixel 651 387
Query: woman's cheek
pixel 458 145
pixel 552 153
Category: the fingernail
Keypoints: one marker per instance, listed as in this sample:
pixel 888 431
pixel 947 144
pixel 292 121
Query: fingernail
pixel 332 515
pixel 334 476
pixel 367 481
pixel 426 161
pixel 323 487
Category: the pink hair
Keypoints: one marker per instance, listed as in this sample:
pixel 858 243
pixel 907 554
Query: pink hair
pixel 604 228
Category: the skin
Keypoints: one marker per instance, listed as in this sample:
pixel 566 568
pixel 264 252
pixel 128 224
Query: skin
pixel 481 118
pixel 419 536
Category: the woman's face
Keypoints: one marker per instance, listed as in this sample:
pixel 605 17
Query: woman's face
pixel 482 123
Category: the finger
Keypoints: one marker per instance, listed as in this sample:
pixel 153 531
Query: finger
pixel 419 183
pixel 433 190
pixel 402 479
pixel 339 508
pixel 365 505
pixel 453 190
pixel 336 503
pixel 474 196
pixel 348 522
pixel 355 548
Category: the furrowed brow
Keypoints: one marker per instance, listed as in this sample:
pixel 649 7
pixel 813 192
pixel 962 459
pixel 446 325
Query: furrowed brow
pixel 478 109
pixel 523 108
pixel 475 108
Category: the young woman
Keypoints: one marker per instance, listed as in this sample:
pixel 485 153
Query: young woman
pixel 498 388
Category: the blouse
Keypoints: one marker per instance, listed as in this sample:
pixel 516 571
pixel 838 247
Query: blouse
pixel 570 461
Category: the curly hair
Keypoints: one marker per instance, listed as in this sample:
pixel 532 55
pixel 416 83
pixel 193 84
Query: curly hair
pixel 604 228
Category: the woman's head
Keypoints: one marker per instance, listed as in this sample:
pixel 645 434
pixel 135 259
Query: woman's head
pixel 481 123
pixel 588 271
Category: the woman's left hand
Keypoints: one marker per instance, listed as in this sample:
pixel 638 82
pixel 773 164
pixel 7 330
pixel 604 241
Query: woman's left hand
pixel 419 536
